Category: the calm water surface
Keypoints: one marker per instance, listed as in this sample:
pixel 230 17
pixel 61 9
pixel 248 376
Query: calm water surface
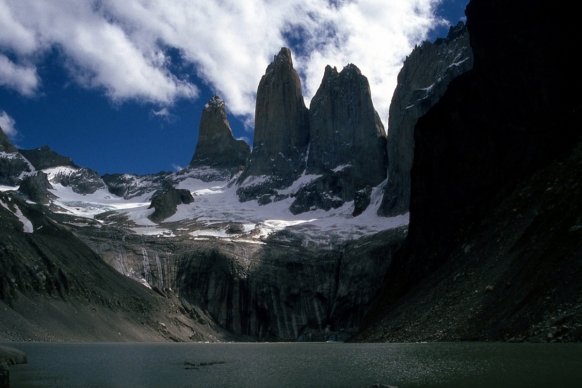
pixel 299 365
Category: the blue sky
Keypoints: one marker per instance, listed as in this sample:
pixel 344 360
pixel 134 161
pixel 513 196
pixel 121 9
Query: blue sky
pixel 120 86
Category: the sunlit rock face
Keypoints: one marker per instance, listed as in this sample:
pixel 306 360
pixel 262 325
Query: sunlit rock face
pixel 216 145
pixel 347 142
pixel 423 80
pixel 281 129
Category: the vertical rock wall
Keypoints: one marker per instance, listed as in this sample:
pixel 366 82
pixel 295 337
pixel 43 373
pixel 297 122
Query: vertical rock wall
pixel 216 145
pixel 281 123
pixel 423 80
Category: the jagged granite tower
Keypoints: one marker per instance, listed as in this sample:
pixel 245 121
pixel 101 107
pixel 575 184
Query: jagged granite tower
pixel 281 129
pixel 345 128
pixel 216 145
pixel 423 80
pixel 347 143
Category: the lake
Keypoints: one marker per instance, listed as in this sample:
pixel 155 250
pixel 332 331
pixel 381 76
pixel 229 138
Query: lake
pixel 298 365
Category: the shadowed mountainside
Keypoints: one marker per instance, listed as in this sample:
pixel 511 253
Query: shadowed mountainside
pixel 492 251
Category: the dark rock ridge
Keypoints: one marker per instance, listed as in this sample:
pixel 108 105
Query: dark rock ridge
pixel 495 201
pixel 80 180
pixel 36 188
pixel 130 185
pixel 281 129
pixel 347 142
pixel 166 203
pixel 423 80
pixel 216 145
pixel 12 163
pixel 5 144
pixel 44 157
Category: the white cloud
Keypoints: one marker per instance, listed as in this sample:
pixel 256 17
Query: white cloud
pixel 7 124
pixel 118 46
pixel 20 78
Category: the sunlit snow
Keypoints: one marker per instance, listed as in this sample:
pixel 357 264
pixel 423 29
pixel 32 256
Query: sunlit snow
pixel 216 206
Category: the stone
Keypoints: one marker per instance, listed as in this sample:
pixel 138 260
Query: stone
pixel 514 118
pixel 5 144
pixel 166 203
pixel 36 188
pixel 345 129
pixel 362 201
pixel 12 163
pixel 4 375
pixel 423 80
pixel 216 145
pixel 80 180
pixel 12 356
pixel 347 143
pixel 281 128
pixel 44 157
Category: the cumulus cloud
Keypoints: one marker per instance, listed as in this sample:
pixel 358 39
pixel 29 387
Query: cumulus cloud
pixel 7 124
pixel 121 46
pixel 20 78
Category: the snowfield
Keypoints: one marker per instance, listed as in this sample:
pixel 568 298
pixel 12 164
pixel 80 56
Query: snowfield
pixel 216 206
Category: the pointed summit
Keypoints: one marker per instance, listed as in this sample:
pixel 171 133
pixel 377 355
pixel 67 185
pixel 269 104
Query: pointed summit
pixel 345 127
pixel 281 122
pixel 12 163
pixel 216 145
pixel 5 145
pixel 347 144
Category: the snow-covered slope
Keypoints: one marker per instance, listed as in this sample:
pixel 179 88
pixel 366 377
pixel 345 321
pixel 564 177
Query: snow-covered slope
pixel 217 212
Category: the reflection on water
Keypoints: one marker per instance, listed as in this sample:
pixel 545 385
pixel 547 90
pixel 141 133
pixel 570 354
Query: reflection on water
pixel 299 365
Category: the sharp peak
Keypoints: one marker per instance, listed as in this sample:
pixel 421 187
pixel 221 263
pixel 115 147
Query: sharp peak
pixel 214 102
pixel 348 69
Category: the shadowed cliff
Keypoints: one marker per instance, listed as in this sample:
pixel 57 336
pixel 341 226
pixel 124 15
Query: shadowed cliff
pixel 471 259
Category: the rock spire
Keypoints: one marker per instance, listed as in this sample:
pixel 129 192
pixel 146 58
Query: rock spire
pixel 216 145
pixel 281 125
pixel 5 145
pixel 347 143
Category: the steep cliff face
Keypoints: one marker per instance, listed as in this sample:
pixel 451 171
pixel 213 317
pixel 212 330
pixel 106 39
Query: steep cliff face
pixel 216 145
pixel 496 128
pixel 423 80
pixel 13 166
pixel 345 128
pixel 5 144
pixel 281 129
pixel 347 141
pixel 280 289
